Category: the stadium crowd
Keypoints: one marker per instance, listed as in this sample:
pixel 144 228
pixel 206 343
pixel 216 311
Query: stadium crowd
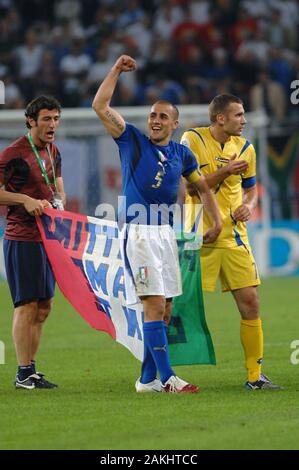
pixel 187 50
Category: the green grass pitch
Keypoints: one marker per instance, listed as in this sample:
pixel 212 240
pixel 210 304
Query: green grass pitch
pixel 96 407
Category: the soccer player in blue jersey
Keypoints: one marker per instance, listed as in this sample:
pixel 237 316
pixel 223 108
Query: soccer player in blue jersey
pixel 151 171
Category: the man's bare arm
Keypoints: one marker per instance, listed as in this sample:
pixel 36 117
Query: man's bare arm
pixel 209 201
pixel 244 212
pixel 32 206
pixel 60 189
pixel 111 119
pixel 234 167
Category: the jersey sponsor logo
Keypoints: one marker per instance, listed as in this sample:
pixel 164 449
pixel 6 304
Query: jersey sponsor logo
pixel 222 160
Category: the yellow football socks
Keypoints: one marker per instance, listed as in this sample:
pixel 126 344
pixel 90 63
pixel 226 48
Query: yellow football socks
pixel 252 340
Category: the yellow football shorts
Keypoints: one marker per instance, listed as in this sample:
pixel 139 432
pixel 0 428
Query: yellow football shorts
pixel 235 266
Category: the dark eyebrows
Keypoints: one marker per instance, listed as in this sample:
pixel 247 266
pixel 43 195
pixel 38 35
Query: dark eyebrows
pixel 162 115
pixel 47 116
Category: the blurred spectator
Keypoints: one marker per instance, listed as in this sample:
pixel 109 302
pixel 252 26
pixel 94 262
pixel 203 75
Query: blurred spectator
pixel 132 12
pixel 200 9
pixel 13 95
pixel 244 27
pixel 256 45
pixel 100 68
pixel 67 10
pixel 166 18
pixel 48 77
pixel 279 68
pixel 276 31
pixel 29 55
pixel 140 32
pixel 268 96
pixel 74 68
pixel 28 59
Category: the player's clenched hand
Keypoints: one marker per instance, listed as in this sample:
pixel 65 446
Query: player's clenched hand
pixel 242 213
pixel 125 63
pixel 211 235
pixel 35 207
pixel 46 204
pixel 236 167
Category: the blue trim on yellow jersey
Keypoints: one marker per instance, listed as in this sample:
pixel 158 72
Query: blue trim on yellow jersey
pixel 248 182
pixel 247 143
pixel 238 238
pixel 239 241
pixel 222 146
pixel 201 138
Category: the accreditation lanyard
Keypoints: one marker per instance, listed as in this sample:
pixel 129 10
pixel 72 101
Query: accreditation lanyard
pixel 43 169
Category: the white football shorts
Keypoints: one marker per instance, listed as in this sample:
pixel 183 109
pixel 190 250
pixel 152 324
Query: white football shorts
pixel 151 259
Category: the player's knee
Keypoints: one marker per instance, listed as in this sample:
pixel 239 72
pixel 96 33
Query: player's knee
pixel 251 308
pixel 26 312
pixel 42 315
pixel 254 304
pixel 44 309
pixel 160 309
pixel 154 308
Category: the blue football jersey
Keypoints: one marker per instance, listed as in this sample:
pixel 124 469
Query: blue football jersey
pixel 151 176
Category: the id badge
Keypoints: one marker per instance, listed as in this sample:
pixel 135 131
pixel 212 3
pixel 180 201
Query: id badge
pixel 57 202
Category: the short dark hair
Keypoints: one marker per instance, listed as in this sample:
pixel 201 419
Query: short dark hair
pixel 220 103
pixel 168 103
pixel 41 102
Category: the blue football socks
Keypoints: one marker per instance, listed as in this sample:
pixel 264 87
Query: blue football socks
pixel 155 340
pixel 148 369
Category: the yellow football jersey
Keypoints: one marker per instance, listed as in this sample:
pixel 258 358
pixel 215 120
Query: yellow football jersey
pixel 211 155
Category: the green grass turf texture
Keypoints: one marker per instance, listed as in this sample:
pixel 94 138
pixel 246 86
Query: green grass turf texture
pixel 96 406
